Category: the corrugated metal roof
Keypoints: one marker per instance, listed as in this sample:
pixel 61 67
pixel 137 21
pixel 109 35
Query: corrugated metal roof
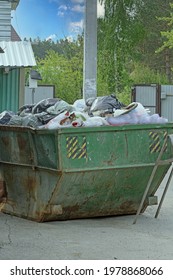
pixel 17 54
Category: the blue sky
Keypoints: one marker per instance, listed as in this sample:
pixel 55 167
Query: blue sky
pixel 56 19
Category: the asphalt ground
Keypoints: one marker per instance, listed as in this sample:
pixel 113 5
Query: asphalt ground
pixel 107 238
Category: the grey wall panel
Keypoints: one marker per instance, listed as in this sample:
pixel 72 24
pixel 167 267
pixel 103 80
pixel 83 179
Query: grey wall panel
pixel 146 95
pixel 40 93
pixel 167 101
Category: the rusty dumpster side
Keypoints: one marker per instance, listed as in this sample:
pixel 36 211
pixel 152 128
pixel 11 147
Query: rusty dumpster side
pixel 82 172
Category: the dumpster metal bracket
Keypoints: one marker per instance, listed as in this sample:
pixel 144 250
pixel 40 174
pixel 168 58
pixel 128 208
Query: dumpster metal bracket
pixel 33 158
pixel 3 192
pixel 157 163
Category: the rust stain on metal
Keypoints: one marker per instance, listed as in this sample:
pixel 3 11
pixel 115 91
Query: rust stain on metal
pixel 71 209
pixel 31 186
pixel 21 142
pixel 110 162
pixel 6 140
pixel 127 205
pixel 3 192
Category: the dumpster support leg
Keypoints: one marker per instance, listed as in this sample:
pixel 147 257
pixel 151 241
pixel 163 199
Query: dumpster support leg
pixel 150 180
pixel 164 193
pixel 167 184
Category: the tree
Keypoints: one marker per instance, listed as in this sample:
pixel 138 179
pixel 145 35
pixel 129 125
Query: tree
pixel 61 64
pixel 129 35
pixel 63 47
pixel 167 44
pixel 147 48
pixel 118 33
pixel 65 74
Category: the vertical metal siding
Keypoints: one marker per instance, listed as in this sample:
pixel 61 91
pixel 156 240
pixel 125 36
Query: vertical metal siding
pixel 9 90
pixel 167 101
pixel 159 98
pixel 5 21
pixel 146 95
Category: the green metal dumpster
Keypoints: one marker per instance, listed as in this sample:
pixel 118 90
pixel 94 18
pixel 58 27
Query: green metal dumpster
pixel 80 172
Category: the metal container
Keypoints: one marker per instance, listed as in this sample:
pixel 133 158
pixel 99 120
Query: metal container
pixel 84 172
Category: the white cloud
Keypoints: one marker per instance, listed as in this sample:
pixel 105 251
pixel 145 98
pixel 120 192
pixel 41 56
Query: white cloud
pixel 63 7
pixel 56 1
pixel 76 26
pixel 78 9
pixel 51 37
pixel 70 38
pixel 77 1
pixel 60 13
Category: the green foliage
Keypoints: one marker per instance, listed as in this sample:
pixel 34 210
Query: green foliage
pixel 63 47
pixel 61 64
pixel 140 74
pixel 118 33
pixel 167 35
pixel 129 34
pixel 144 75
pixel 125 96
pixel 128 38
pixel 65 74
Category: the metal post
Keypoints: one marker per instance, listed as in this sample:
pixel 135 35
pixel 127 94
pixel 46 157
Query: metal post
pixel 150 180
pixel 90 50
pixel 33 93
pixel 168 181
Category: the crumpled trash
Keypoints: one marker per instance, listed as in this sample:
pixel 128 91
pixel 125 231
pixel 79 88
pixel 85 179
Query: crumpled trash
pixel 5 117
pixel 62 120
pixel 103 105
pixel 44 117
pixel 16 120
pixel 90 101
pixel 59 107
pixel 25 109
pixel 66 119
pixel 135 113
pixel 95 121
pixel 31 120
pixel 80 105
pixel 56 113
pixel 44 104
pixel 28 120
pixel 77 123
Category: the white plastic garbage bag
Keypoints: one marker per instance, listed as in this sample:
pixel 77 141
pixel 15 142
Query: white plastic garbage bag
pixel 95 121
pixel 61 120
pixel 79 105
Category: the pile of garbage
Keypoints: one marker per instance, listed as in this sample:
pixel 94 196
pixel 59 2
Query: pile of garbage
pixel 54 113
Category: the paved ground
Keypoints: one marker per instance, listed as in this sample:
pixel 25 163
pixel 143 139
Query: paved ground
pixel 101 238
